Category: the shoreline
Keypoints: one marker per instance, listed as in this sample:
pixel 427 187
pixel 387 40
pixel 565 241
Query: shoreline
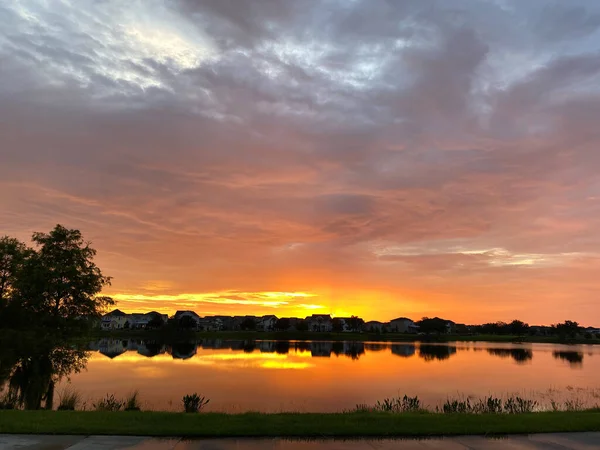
pixel 299 425
pixel 323 336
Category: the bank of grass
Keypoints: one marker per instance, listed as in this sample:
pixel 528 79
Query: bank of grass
pixel 314 336
pixel 361 424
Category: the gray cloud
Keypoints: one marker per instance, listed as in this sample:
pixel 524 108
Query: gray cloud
pixel 227 145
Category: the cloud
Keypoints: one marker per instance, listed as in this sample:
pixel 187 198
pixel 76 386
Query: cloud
pixel 385 157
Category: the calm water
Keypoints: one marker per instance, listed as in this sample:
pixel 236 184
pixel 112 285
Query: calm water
pixel 332 376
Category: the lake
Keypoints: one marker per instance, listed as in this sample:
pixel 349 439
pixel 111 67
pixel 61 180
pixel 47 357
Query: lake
pixel 317 376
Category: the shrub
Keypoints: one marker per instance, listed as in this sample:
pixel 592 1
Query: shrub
pixel 194 403
pixel 362 408
pixel 491 405
pixel 69 400
pixel 132 402
pixel 410 404
pixel 457 407
pixel 387 405
pixel 574 405
pixel 398 405
pixel 109 403
pixel 518 405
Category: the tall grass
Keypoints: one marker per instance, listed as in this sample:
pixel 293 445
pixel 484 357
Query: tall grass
pixel 132 402
pixel 194 403
pixel 70 400
pixel 108 403
pixel 489 405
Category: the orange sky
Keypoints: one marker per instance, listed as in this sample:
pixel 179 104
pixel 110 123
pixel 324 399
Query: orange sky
pixel 370 157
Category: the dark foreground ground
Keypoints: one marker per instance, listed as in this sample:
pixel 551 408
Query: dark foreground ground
pixel 579 441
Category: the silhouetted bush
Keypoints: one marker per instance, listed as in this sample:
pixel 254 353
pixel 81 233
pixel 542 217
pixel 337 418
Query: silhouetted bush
pixel 132 402
pixel 194 403
pixel 69 401
pixel 109 403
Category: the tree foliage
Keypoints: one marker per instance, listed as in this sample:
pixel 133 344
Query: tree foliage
pixel 248 324
pixel 54 285
pixel 356 323
pixel 337 325
pixel 282 324
pixel 302 325
pixel 13 254
pixel 156 322
pixel 433 325
pixel 568 328
pixel 187 323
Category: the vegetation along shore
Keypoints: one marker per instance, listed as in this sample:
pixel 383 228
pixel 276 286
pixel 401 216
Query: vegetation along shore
pixel 324 336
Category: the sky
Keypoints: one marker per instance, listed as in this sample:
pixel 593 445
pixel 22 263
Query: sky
pixel 379 158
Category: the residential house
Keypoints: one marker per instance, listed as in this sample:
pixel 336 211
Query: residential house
pixel 540 330
pixel 152 314
pixel 115 320
pixel 293 323
pixel 319 322
pixel 238 322
pixel 210 324
pixel 226 322
pixel 374 326
pixel 593 330
pixel 402 325
pixel 346 324
pixel 138 320
pixel 266 323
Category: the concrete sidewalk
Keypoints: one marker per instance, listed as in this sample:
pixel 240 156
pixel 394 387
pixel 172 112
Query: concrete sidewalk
pixel 558 441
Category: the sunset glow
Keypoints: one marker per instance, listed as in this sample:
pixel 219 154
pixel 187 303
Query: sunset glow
pixel 373 158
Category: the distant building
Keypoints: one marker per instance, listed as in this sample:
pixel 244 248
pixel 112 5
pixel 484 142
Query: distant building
pixel 115 320
pixel 266 323
pixel 346 324
pixel 320 322
pixel 210 324
pixel 374 326
pixel 402 325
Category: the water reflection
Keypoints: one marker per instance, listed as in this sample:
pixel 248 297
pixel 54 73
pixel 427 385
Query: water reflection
pixel 519 355
pixel 29 374
pixel 431 352
pixel 245 374
pixel 403 350
pixel 575 359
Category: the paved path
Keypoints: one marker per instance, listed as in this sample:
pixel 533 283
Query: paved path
pixel 575 441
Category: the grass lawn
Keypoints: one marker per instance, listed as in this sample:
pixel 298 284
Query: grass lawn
pixel 292 424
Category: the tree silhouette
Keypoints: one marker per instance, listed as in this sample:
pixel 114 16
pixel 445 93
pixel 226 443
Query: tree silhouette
pixel 54 285
pixel 248 324
pixel 302 325
pixel 282 324
pixel 337 325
